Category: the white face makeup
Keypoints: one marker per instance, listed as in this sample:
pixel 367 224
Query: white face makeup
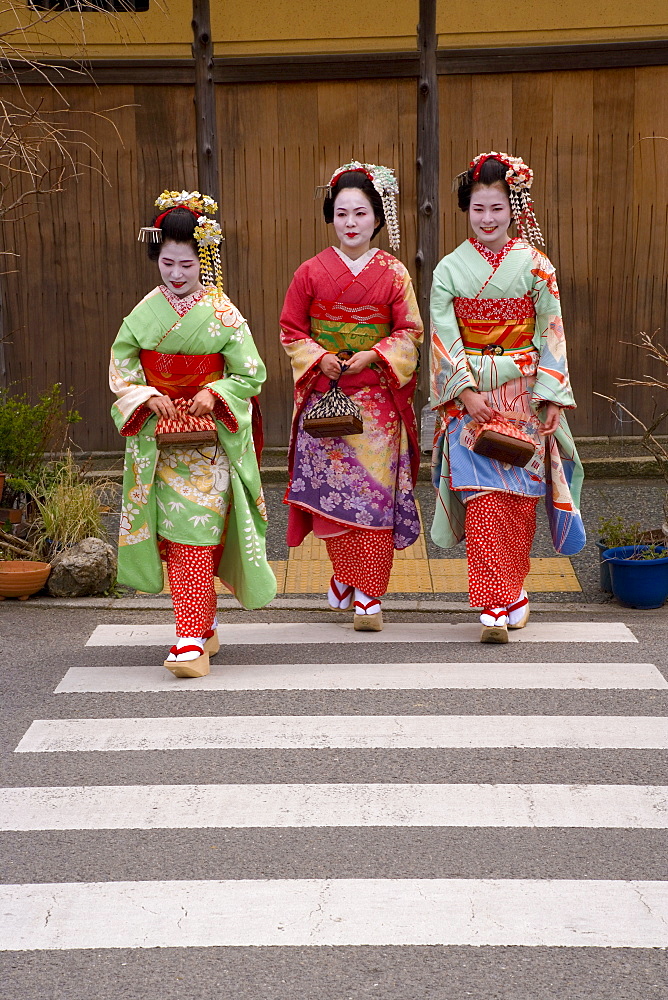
pixel 354 222
pixel 179 268
pixel 490 216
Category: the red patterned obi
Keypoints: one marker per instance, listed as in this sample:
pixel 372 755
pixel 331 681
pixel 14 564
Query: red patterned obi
pixel 496 326
pixel 180 375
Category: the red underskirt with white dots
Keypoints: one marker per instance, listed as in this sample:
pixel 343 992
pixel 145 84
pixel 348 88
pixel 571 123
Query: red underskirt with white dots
pixel 363 559
pixel 499 534
pixel 190 570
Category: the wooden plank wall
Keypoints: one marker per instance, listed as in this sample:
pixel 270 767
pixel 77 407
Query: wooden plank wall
pixel 599 191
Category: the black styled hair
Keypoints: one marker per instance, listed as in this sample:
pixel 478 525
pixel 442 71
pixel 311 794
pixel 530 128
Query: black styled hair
pixel 491 172
pixel 355 179
pixel 179 226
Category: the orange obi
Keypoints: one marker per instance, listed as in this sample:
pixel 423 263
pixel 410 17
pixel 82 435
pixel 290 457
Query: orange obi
pixel 180 375
pixel 488 337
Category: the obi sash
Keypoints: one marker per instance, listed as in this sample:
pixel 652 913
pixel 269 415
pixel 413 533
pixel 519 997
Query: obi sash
pixel 496 326
pixel 180 375
pixel 339 327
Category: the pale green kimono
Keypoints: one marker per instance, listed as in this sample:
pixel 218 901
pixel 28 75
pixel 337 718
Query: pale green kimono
pixel 212 325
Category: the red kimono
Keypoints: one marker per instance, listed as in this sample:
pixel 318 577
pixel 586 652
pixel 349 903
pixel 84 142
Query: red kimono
pixel 355 491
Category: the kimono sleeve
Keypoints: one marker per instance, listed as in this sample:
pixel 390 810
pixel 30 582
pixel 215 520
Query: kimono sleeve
pixel 127 380
pixel 552 380
pixel 450 372
pixel 245 373
pixel 301 348
pixel 398 353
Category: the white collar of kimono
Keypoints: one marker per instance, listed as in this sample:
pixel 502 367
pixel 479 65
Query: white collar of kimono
pixel 356 265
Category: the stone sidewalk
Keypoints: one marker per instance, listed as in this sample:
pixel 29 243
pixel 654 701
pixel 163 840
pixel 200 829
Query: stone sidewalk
pixel 426 578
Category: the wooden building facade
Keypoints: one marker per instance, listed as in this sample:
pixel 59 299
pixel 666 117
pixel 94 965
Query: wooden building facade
pixel 588 115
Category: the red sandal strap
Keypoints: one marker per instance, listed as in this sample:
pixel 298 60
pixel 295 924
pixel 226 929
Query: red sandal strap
pixel 495 614
pixel 187 649
pixel 207 635
pixel 522 603
pixel 348 589
pixel 365 607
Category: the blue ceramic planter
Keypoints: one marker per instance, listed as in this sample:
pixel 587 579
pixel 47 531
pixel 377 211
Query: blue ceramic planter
pixel 637 583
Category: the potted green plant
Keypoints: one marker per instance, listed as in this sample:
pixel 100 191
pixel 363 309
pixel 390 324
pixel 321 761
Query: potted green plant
pixel 639 575
pixel 643 548
pixel 615 532
pixel 68 509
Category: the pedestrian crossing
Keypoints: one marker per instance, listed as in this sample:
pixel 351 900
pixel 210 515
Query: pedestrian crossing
pixel 296 633
pixel 188 807
pixel 356 732
pixel 368 677
pixel 337 912
pixel 370 909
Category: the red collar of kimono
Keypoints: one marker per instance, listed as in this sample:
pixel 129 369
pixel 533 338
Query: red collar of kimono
pixel 495 259
pixel 182 305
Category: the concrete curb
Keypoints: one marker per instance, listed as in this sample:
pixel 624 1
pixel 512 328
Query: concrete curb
pixel 407 605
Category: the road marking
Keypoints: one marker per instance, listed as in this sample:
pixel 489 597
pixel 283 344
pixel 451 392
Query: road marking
pixel 368 677
pixel 243 732
pixel 263 633
pixel 348 912
pixel 152 807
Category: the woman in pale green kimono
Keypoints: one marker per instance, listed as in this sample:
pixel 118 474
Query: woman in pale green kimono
pixel 498 347
pixel 200 507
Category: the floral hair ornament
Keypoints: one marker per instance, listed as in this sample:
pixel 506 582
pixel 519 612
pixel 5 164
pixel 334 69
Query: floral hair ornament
pixel 386 185
pixel 519 178
pixel 209 236
pixel 197 204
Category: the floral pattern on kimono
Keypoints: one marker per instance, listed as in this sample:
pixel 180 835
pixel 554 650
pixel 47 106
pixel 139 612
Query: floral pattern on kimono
pixel 513 296
pixel 203 494
pixel 364 480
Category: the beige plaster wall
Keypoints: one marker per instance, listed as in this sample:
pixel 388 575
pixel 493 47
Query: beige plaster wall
pixel 320 26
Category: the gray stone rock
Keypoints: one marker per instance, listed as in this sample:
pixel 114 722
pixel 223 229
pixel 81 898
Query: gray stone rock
pixel 87 568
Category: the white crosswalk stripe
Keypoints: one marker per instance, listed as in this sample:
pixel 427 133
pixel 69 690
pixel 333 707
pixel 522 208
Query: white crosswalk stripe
pixel 294 633
pixel 345 732
pixel 265 913
pixel 372 911
pixel 150 807
pixel 368 676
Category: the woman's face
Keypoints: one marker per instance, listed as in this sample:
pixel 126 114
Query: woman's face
pixel 490 216
pixel 354 221
pixel 179 268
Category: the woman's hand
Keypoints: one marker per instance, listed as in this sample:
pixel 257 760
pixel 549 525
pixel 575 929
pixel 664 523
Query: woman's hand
pixel 476 406
pixel 330 365
pixel 360 361
pixel 202 403
pixel 552 418
pixel 162 405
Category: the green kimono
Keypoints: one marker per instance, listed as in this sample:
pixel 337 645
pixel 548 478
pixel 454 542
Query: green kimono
pixel 187 500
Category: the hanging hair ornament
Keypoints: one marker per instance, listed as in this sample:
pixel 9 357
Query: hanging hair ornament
pixel 209 236
pixel 197 204
pixel 386 185
pixel 519 178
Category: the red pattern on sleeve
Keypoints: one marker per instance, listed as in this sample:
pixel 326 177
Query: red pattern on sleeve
pixel 135 423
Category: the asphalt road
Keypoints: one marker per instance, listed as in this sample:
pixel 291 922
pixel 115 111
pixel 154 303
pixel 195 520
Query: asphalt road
pixel 40 646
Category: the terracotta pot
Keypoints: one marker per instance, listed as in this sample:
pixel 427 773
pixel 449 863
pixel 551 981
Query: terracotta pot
pixel 12 514
pixel 21 578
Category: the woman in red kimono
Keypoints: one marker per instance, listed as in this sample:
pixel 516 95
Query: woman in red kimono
pixel 355 492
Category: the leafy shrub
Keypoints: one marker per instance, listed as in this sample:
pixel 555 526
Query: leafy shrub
pixel 29 430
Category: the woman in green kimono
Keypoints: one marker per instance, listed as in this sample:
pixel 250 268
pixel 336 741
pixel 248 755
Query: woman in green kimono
pixel 186 349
